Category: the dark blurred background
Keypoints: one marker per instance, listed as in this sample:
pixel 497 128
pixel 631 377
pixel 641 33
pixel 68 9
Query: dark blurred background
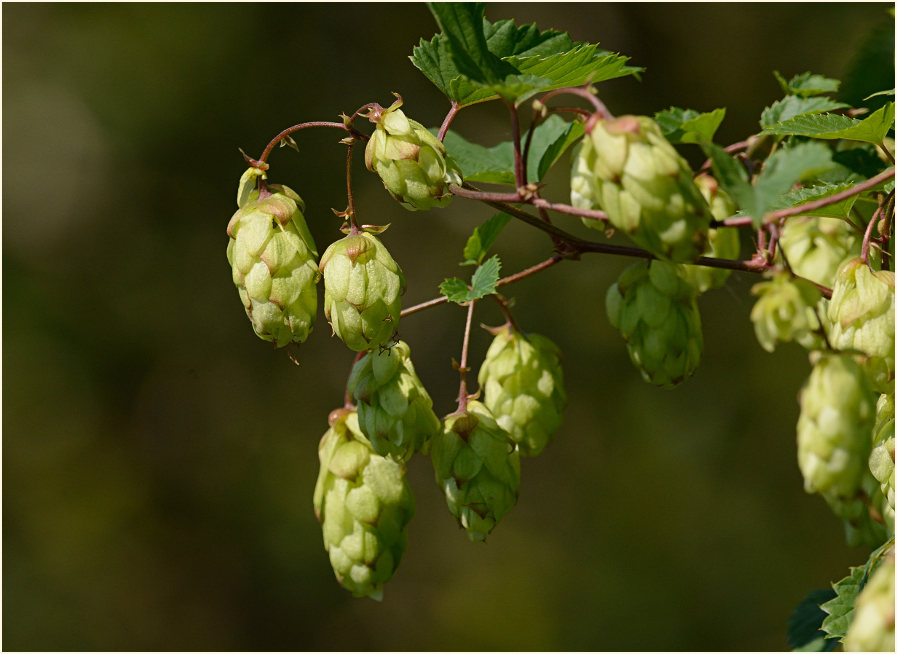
pixel 159 459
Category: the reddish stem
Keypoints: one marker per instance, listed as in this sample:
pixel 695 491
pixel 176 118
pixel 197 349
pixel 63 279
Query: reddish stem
pixel 449 117
pixel 295 128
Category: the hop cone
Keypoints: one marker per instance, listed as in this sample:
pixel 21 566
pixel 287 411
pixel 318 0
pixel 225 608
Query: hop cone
pixel 362 291
pixel 364 505
pixel 394 410
pixel 655 308
pixel 881 460
pixel 872 626
pixel 412 163
pixel 816 246
pixel 722 242
pixel 524 387
pixel 626 167
pixel 837 409
pixel 478 469
pixel 862 315
pixel 272 256
pixel 784 312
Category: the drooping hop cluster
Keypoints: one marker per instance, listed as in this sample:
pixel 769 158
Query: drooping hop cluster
pixel 273 263
pixel 478 469
pixel 816 246
pixel 785 311
pixel 363 289
pixel 412 163
pixel 872 626
pixel 523 387
pixel 364 504
pixel 654 306
pixel 395 411
pixel 626 167
pixel 722 242
pixel 862 315
pixel 837 410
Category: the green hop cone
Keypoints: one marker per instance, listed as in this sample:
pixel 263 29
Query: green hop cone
pixel 816 246
pixel 881 460
pixel 626 167
pixel 523 387
pixel 861 312
pixel 272 257
pixel 411 162
pixel 785 311
pixel 837 410
pixel 654 306
pixel 363 286
pixel 722 242
pixel 478 469
pixel 395 411
pixel 872 625
pixel 364 504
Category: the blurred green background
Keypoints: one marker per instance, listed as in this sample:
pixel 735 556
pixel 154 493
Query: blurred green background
pixel 159 459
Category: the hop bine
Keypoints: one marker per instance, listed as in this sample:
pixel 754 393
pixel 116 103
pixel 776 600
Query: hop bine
pixel 273 263
pixel 364 505
pixel 523 387
pixel 626 167
pixel 395 411
pixel 363 286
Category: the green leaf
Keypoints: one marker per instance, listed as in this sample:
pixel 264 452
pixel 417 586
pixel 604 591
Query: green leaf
pixel 840 609
pixel 688 125
pixel 505 39
pixel 807 84
pixel 462 24
pixel 804 195
pixel 732 176
pixel 872 129
pixel 875 95
pixel 784 168
pixel 495 165
pixel 483 282
pixel 794 105
pixel 483 238
pixel 805 624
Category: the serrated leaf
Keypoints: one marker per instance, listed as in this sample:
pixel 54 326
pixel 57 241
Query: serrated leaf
pixel 505 39
pixel 807 84
pixel 805 624
pixel 688 125
pixel 872 129
pixel 454 289
pixel 485 277
pixel 495 165
pixel 784 168
pixel 483 282
pixel 804 195
pixel 794 105
pixel 840 609
pixel 483 238
pixel 732 176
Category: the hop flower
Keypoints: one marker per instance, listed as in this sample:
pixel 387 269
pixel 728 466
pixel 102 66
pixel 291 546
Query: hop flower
pixel 872 626
pixel 362 291
pixel 272 257
pixel 816 246
pixel 478 469
pixel 655 308
pixel 412 163
pixel 394 410
pixel 784 311
pixel 524 387
pixel 364 505
pixel 626 167
pixel 881 460
pixel 837 409
pixel 862 315
pixel 722 242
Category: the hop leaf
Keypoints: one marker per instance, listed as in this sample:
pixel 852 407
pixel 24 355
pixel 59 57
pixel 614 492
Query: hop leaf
pixel 272 257
pixel 523 387
pixel 364 505
pixel 363 286
pixel 395 411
